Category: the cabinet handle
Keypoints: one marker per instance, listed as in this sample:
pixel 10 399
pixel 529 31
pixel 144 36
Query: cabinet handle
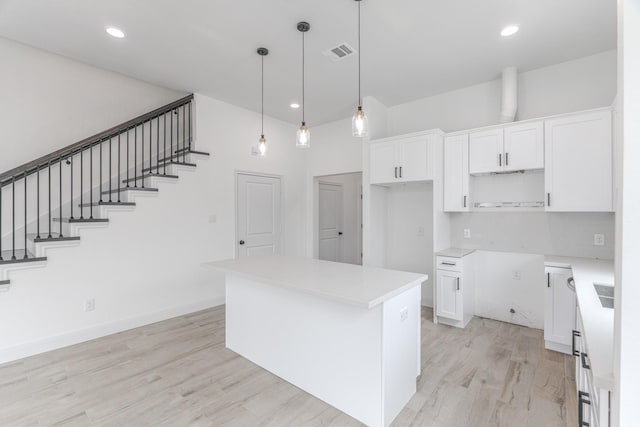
pixel 447 263
pixel 506 158
pixel 500 159
pixel 548 280
pixel 583 357
pixel 395 171
pixel 400 171
pixel 457 283
pixel 574 334
pixel 548 199
pixel 583 398
pixel 464 201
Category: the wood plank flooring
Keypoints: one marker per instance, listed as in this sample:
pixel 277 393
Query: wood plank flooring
pixel 178 373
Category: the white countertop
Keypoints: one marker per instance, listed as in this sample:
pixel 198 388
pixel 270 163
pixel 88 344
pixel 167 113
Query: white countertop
pixel 352 284
pixel 597 321
pixel 455 252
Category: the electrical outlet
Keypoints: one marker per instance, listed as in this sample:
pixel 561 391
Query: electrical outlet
pixel 90 305
pixel 467 233
pixel 517 275
pixel 213 218
pixel 598 239
pixel 404 314
pixel 421 231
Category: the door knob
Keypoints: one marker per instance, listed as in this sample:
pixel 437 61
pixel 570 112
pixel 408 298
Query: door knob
pixel 241 242
pixel 339 233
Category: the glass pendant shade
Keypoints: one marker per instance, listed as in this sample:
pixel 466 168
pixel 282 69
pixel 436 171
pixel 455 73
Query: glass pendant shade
pixel 359 123
pixel 303 136
pixel 262 146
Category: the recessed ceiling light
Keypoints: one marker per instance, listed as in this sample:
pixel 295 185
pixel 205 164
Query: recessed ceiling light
pixel 509 31
pixel 295 105
pixel 115 32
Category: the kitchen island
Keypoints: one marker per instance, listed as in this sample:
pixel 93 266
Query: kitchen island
pixel 348 335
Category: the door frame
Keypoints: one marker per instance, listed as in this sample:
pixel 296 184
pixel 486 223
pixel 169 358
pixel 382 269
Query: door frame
pixel 236 174
pixel 317 232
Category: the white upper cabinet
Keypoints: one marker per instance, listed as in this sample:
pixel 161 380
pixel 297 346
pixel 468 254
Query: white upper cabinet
pixel 485 151
pixel 524 146
pixel 578 163
pixel 402 160
pixel 456 173
pixel 511 148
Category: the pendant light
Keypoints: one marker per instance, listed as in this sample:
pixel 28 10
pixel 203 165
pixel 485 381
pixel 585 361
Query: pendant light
pixel 262 142
pixel 303 135
pixel 359 122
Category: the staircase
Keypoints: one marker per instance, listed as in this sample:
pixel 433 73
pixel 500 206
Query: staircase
pixel 45 203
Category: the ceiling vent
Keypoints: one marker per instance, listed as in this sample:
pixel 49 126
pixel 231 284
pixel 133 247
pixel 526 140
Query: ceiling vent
pixel 339 52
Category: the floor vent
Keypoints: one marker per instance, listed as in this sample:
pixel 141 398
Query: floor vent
pixel 340 52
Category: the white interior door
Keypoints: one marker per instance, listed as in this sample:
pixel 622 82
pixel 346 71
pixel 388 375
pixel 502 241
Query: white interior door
pixel 330 221
pixel 258 215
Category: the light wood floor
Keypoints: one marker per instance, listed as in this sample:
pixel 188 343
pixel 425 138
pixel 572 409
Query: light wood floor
pixel 178 373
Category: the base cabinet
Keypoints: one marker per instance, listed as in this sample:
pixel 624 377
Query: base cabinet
pixel 559 309
pixel 454 291
pixel 593 402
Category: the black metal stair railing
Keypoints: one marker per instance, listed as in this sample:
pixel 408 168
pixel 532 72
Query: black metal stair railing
pixel 37 177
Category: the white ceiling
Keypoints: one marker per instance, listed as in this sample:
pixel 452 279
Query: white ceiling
pixel 411 48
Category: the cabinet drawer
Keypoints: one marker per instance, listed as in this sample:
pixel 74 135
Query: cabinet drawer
pixel 449 263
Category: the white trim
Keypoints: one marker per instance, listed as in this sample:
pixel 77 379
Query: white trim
pixel 75 337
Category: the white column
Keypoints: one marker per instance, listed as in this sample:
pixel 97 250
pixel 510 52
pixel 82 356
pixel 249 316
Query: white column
pixel 627 316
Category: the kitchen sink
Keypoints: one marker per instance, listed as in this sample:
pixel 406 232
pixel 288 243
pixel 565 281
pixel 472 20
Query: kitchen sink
pixel 605 293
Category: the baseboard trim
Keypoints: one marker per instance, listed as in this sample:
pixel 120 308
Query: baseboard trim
pixel 43 345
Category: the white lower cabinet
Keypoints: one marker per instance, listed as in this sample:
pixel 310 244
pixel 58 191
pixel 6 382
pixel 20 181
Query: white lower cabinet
pixel 559 309
pixel 593 402
pixel 454 291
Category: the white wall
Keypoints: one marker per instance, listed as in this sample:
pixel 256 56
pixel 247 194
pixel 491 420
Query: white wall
pixel 580 84
pixel 627 292
pixel 351 239
pixel 49 101
pixel 146 266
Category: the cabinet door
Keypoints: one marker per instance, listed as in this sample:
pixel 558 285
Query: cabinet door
pixel 578 163
pixel 449 294
pixel 524 146
pixel 559 307
pixel 456 173
pixel 485 151
pixel 414 159
pixel 383 165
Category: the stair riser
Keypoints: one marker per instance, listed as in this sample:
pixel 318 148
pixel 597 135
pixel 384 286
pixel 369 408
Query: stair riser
pixel 40 249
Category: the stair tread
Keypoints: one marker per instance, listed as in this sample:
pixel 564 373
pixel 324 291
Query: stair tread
pixel 188 151
pixel 172 162
pixel 55 237
pixel 130 189
pixel 150 175
pixel 5 282
pixel 7 255
pixel 106 203
pixel 81 220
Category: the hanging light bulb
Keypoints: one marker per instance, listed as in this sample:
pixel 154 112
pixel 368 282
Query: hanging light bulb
pixel 303 135
pixel 262 142
pixel 359 122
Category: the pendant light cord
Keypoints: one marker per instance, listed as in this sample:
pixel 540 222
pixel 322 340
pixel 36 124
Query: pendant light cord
pixel 302 76
pixel 359 59
pixel 262 106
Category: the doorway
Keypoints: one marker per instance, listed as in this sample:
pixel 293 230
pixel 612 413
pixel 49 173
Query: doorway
pixel 338 218
pixel 258 219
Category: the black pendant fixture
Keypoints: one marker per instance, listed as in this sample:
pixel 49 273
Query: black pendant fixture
pixel 303 135
pixel 262 142
pixel 359 122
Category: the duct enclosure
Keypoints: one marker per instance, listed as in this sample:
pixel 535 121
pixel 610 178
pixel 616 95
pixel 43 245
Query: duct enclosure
pixel 509 95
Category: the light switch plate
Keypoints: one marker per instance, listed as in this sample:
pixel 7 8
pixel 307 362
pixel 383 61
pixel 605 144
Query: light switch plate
pixel 467 233
pixel 598 239
pixel 404 314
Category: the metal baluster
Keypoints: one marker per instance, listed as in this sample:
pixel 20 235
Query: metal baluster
pixel 1 221
pixel 49 183
pixel 13 218
pixel 150 146
pixel 25 215
pixel 91 182
pixel 171 151
pixel 190 126
pixel 119 182
pixel 135 157
pixel 164 141
pixel 60 213
pixel 128 131
pixel 81 186
pixel 110 155
pixel 100 147
pixel 38 196
pixel 158 146
pixel 71 180
pixel 142 167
